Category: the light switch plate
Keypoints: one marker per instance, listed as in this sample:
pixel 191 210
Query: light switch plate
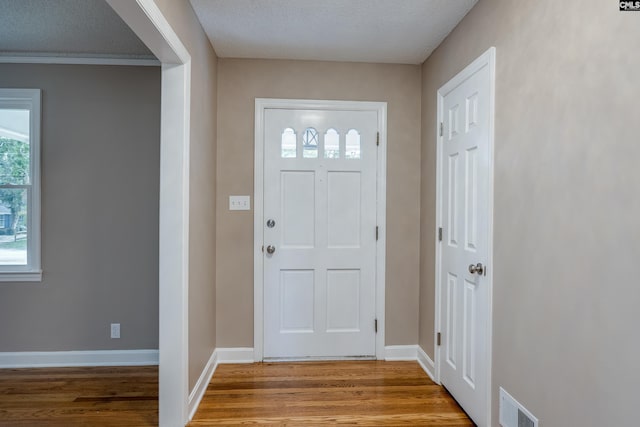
pixel 239 203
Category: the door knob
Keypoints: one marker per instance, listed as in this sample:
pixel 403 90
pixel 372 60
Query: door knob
pixel 271 249
pixel 473 269
pixel 271 223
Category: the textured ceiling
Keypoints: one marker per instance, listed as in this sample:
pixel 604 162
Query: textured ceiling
pixel 88 28
pixel 393 31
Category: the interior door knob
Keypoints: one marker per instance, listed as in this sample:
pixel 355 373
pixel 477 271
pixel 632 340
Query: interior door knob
pixel 473 269
pixel 271 249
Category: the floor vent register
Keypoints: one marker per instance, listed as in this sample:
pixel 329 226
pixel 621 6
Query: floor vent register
pixel 513 414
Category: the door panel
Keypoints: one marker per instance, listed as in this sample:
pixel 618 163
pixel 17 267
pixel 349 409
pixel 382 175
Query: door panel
pixel 464 296
pixel 298 209
pixel 320 190
pixel 343 216
pixel 297 294
pixel 343 300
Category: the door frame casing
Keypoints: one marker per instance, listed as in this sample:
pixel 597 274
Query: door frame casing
pixel 261 105
pixel 150 25
pixel 487 59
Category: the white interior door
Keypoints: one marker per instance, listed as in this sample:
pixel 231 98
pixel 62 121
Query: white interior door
pixel 319 233
pixel 464 286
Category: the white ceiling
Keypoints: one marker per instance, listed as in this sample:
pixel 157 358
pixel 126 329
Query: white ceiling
pixel 391 31
pixel 87 28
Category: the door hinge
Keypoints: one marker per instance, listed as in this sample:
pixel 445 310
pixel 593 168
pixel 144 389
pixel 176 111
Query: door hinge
pixel 377 233
pixel 375 325
pixel 440 234
pixel 438 339
pixel 378 139
pixel 441 128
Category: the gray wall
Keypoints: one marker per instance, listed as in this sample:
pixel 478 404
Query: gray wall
pixel 567 234
pixel 100 178
pixel 202 190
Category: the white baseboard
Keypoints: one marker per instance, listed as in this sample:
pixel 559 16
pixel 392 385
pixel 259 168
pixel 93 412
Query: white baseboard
pixel 219 355
pixel 400 352
pixel 411 352
pixel 54 359
pixel 427 364
pixel 235 355
pixel 196 395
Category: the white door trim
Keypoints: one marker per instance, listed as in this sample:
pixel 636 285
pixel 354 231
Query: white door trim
pixel 258 219
pixel 488 58
pixel 147 21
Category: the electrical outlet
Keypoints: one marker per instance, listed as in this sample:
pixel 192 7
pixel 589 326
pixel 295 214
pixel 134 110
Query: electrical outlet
pixel 115 330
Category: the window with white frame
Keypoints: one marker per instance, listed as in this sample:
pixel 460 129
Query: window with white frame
pixel 20 185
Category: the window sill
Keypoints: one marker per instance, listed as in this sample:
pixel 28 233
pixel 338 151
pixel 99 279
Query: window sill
pixel 21 276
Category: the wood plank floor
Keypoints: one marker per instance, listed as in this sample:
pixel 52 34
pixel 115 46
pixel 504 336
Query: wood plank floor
pixel 363 393
pixel 113 396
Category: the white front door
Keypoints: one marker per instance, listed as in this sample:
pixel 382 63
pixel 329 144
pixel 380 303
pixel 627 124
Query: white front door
pixel 319 233
pixel 464 286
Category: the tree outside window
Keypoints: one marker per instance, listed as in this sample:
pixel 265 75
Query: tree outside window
pixel 20 185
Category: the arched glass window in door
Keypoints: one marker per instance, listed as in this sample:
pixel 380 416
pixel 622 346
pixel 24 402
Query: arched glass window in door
pixel 310 143
pixel 352 145
pixel 332 144
pixel 288 144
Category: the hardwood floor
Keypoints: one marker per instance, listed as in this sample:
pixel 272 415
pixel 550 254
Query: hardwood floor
pixel 113 396
pixel 363 393
pixel 360 393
